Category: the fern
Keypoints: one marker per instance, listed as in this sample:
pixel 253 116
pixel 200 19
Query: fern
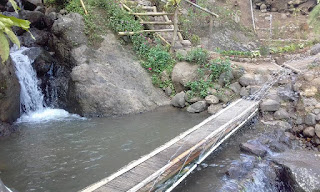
pixel 314 18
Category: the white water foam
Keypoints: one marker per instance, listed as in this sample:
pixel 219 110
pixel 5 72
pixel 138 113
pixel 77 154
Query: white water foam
pixel 32 99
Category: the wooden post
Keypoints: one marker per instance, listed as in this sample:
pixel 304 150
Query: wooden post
pixel 175 28
pixel 84 7
pixel 252 16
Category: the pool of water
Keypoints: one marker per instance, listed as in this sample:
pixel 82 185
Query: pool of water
pixel 72 154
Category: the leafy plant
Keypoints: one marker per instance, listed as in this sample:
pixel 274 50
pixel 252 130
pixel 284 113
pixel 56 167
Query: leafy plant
pixel 199 88
pixel 198 55
pixel 5 31
pixel 314 18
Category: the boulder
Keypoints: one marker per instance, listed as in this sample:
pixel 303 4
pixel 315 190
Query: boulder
pixel 235 87
pixel 225 78
pixel 197 107
pixel 309 132
pixel 315 49
pixel 298 129
pixel 37 19
pixel 254 147
pixel 286 93
pixel 244 92
pixel 211 99
pixel 318 117
pixel 179 100
pixel 273 94
pixel 3 188
pixel 317 130
pixel 269 105
pixel 107 81
pixel 42 38
pixel 182 74
pixel 246 79
pixel 213 109
pixel 310 119
pixel 9 93
pixel 68 33
pixel 281 114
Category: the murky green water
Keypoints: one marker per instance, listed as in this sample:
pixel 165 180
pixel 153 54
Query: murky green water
pixel 70 155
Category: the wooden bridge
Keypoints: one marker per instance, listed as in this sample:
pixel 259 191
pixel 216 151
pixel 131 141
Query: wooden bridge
pixel 167 164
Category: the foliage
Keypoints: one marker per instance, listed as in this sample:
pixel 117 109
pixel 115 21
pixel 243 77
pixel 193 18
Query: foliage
pixel 173 3
pixel 158 60
pixel 198 55
pixel 217 67
pixel 199 88
pixel 195 39
pixel 5 31
pixel 314 18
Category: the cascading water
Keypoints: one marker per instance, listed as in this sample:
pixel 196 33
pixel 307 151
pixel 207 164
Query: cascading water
pixel 33 106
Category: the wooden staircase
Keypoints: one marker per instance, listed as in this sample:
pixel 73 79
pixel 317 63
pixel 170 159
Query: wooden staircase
pixel 156 22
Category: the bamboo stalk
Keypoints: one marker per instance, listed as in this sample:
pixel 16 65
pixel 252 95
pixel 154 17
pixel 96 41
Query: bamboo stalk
pixel 168 20
pixel 175 28
pixel 145 31
pixel 84 7
pixel 201 8
pixel 156 23
pixel 151 14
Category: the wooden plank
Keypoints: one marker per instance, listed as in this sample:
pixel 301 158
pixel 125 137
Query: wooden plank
pixel 156 23
pixel 151 14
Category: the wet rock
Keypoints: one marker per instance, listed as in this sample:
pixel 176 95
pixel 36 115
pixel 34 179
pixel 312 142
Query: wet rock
pixel 213 109
pixel 42 38
pixel 211 99
pixel 315 49
pixel 197 107
pixel 317 130
pixel 3 188
pixel 302 165
pixel 9 93
pixel 235 87
pixel 254 147
pixel 37 19
pixel 178 100
pixel 244 92
pixel 310 119
pixel 269 105
pixel 241 168
pixel 182 74
pixel 281 114
pixel 309 132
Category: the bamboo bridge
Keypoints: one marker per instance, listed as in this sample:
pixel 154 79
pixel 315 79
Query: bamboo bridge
pixel 173 161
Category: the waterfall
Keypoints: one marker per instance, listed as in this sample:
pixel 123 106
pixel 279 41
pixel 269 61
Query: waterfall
pixel 31 96
pixel 33 107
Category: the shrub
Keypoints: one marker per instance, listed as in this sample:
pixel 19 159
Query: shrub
pixel 198 55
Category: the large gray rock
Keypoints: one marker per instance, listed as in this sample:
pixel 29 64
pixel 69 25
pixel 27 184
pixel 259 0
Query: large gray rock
pixel 309 132
pixel 269 105
pixel 211 99
pixel 250 79
pixel 179 100
pixel 235 87
pixel 68 34
pixel 225 78
pixel 244 92
pixel 281 114
pixel 310 119
pixel 9 93
pixel 197 107
pixel 213 109
pixel 42 38
pixel 109 81
pixel 315 49
pixel 254 147
pixel 37 19
pixel 182 74
pixel 303 166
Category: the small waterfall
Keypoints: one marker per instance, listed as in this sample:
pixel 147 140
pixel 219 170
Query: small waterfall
pixel 33 106
pixel 31 96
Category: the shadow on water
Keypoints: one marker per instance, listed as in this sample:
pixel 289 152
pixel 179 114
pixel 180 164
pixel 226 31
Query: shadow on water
pixel 70 155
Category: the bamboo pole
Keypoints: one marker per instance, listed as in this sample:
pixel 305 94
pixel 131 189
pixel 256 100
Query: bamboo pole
pixel 84 7
pixel 175 28
pixel 168 20
pixel 151 14
pixel 252 16
pixel 201 8
pixel 156 23
pixel 145 31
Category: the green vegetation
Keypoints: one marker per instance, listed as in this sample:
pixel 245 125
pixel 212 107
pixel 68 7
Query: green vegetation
pixel 209 74
pixel 198 55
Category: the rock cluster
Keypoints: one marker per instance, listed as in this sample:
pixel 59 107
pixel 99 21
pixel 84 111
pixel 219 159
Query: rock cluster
pixel 285 6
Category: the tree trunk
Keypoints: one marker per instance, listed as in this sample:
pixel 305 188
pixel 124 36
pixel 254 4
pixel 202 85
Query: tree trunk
pixel 175 29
